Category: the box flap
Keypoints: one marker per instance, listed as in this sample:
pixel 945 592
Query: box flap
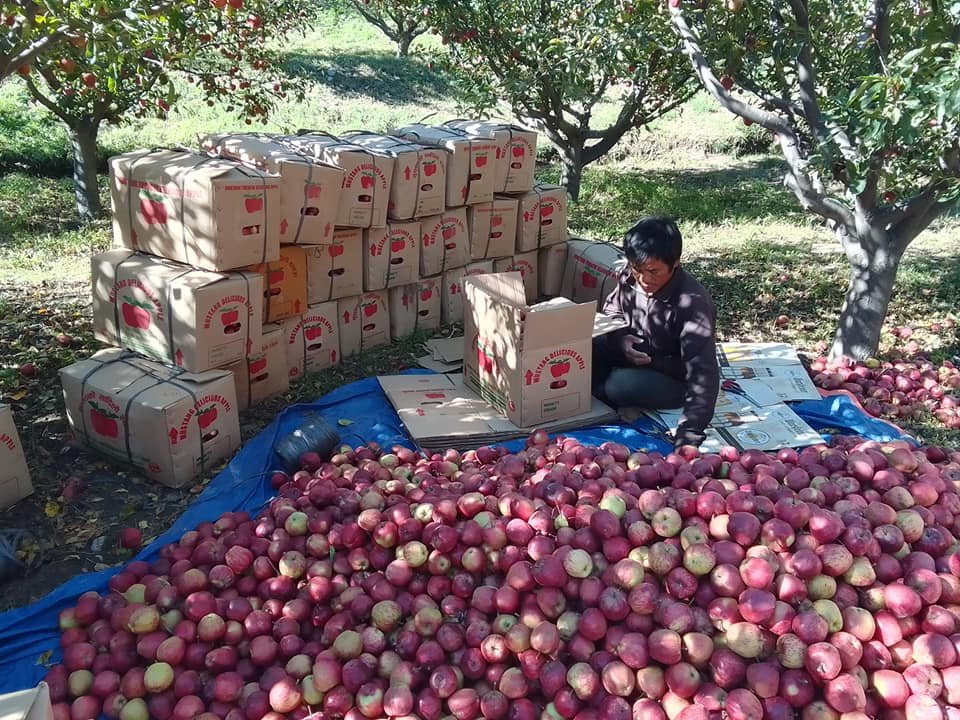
pixel 32 704
pixel 505 287
pixel 558 325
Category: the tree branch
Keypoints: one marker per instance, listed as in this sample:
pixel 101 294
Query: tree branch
pixel 374 20
pixel 808 190
pixel 45 101
pixel 691 48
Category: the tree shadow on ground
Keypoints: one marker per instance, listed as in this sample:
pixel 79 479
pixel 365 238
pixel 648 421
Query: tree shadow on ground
pixel 757 282
pixel 380 75
pixel 751 190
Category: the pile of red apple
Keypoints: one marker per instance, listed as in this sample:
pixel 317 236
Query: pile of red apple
pixel 560 581
pixel 900 389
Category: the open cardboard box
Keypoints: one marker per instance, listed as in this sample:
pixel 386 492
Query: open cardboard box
pixel 531 362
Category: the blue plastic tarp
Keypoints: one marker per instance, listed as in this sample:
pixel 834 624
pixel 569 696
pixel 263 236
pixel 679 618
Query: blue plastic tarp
pixel 29 632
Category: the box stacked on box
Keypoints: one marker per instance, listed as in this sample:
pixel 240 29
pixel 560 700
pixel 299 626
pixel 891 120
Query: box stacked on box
pixel 265 258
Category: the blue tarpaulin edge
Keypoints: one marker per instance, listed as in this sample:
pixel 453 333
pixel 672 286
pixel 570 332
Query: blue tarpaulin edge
pixel 27 633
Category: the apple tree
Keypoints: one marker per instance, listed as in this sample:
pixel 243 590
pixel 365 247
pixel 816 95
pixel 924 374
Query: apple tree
pixel 864 100
pixel 584 74
pixel 128 71
pixel 403 21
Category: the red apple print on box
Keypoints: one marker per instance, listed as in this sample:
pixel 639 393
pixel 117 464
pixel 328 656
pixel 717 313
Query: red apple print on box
pixel 253 203
pixel 313 191
pixel 103 422
pixel 152 208
pixel 256 367
pixel 429 168
pixel 425 294
pixel 397 244
pixel 283 226
pixel 546 211
pixel 208 415
pixel 435 395
pixel 588 280
pixel 178 357
pixel 335 250
pixel 136 314
pixel 559 368
pixel 485 360
pixel 366 181
pixel 480 161
pixel 370 309
pixel 496 220
pixel 518 151
pixel 230 319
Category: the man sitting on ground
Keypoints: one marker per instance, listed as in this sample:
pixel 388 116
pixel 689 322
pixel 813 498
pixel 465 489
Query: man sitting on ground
pixel 666 356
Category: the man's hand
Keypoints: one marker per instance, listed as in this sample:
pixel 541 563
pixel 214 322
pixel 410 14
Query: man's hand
pixel 631 353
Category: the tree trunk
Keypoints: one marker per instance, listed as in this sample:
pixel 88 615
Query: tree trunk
pixel 83 143
pixel 572 171
pixel 874 258
pixel 403 44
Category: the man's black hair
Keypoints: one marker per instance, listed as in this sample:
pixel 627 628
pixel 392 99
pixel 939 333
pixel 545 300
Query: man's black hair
pixel 655 237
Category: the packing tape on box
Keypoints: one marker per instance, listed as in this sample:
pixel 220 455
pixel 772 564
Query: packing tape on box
pixel 182 188
pixel 126 411
pixel 398 142
pixel 306 185
pixel 464 136
pixel 359 148
pixel 508 128
pixel 174 360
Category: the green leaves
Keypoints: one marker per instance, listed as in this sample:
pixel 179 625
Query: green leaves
pixel 887 87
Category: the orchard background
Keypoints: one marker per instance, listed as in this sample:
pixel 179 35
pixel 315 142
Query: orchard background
pixel 776 271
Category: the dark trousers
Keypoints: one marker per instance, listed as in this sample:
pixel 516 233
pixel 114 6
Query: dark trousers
pixel 620 384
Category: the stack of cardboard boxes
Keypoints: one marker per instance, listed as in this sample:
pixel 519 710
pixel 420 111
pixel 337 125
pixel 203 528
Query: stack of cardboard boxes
pixel 261 258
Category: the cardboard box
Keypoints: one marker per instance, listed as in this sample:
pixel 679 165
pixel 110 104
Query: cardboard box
pixel 14 475
pixel 32 704
pixel 309 189
pixel 195 319
pixel 471 167
pixel 171 424
pixel 451 305
pixel 525 264
pixel 335 270
pixel 212 213
pixel 444 241
pixel 551 262
pixel 285 284
pixel 365 193
pixel 438 412
pixel 530 362
pixel 419 183
pixel 391 255
pixel 364 322
pixel 542 217
pixel 312 340
pixel 516 152
pixel 493 228
pixel 591 271
pixel 264 373
pixel 415 307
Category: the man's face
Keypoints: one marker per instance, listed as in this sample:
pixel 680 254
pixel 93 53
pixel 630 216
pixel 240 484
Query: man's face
pixel 652 275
